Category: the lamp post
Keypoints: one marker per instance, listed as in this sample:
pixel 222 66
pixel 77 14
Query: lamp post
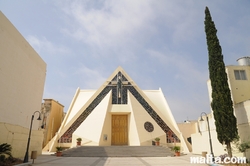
pixel 28 144
pixel 210 140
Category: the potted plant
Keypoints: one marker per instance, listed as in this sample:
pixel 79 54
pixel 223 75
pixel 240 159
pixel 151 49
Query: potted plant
pixel 79 141
pixel 59 151
pixel 157 141
pixel 177 149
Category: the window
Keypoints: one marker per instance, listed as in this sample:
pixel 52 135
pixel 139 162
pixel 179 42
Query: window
pixel 240 75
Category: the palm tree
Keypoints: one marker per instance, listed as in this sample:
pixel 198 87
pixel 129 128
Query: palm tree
pixel 5 149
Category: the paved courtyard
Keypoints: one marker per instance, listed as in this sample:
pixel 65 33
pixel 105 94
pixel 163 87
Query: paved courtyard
pixel 51 160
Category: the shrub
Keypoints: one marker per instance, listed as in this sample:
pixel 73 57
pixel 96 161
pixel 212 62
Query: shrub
pixel 59 148
pixel 176 148
pixel 79 139
pixel 244 146
pixel 157 139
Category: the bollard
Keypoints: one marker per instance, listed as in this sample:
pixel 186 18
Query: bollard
pixel 33 155
pixel 203 154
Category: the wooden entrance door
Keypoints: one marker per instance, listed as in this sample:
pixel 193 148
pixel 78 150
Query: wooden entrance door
pixel 119 130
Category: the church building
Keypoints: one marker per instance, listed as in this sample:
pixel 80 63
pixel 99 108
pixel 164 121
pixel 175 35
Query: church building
pixel 118 113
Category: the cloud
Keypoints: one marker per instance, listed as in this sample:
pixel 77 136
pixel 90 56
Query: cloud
pixel 89 77
pixel 183 19
pixel 111 28
pixel 44 45
pixel 185 68
pixel 114 21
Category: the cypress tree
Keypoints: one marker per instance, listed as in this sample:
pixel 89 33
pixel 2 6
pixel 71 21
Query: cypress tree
pixel 222 105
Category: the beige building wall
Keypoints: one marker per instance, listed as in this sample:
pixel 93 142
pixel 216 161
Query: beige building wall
pixel 242 111
pixel 52 117
pixel 22 73
pixel 187 129
pixel 240 89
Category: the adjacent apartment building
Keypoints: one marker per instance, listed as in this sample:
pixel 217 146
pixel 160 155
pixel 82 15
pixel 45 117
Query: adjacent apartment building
pixel 22 73
pixel 52 116
pixel 239 84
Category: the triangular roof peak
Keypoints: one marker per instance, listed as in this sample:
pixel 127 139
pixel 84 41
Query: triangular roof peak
pixel 120 71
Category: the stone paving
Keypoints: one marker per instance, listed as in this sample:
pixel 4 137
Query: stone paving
pixel 99 158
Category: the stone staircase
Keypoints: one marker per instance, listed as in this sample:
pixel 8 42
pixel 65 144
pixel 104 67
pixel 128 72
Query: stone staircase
pixel 118 151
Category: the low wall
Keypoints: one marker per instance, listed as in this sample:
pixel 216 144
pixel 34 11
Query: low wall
pixel 200 143
pixel 17 137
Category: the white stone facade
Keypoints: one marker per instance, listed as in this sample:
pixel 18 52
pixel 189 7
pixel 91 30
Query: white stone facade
pixel 96 110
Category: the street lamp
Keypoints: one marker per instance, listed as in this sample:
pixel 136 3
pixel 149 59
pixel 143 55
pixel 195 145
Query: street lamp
pixel 210 140
pixel 28 144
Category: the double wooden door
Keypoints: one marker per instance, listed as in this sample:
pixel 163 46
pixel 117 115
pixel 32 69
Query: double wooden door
pixel 119 130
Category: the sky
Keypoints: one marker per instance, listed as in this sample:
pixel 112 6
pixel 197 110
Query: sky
pixel 160 44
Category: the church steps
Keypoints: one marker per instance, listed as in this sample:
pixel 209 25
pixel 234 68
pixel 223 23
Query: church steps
pixel 118 151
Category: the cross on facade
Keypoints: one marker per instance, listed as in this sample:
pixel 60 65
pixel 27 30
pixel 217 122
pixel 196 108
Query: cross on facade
pixel 119 83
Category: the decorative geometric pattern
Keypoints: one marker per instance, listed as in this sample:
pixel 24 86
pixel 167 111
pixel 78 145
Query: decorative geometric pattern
pixel 151 112
pixel 149 126
pixel 67 136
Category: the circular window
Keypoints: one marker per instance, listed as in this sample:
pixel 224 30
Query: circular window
pixel 148 126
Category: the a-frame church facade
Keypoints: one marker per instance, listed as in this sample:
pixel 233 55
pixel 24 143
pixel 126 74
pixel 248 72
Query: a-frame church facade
pixel 118 113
